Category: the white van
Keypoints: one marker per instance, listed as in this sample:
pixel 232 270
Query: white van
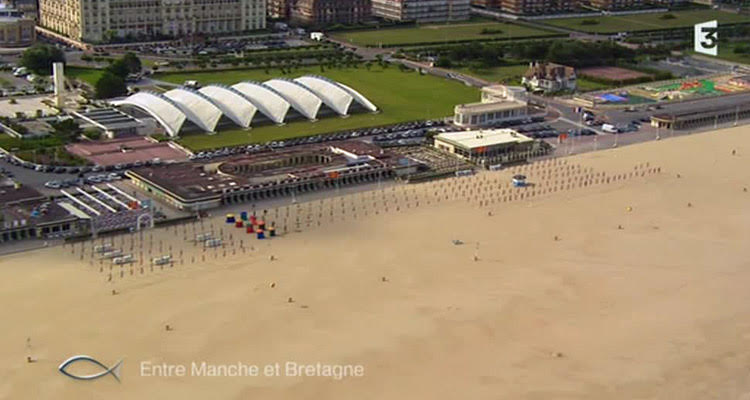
pixel 610 128
pixel 20 72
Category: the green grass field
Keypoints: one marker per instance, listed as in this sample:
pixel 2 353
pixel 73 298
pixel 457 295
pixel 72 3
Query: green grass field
pixel 726 52
pixel 87 75
pixel 400 96
pixel 440 33
pixel 585 85
pixel 643 22
pixel 507 74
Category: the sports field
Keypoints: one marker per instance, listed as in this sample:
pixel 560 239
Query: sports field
pixel 440 33
pixel 400 96
pixel 644 22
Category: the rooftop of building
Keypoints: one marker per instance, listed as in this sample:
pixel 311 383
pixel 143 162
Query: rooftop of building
pixel 193 180
pixel 33 213
pixel 697 113
pixel 126 149
pixel 109 119
pixel 548 70
pixel 483 137
pixel 16 193
pixel 25 206
pixel 488 107
pixel 502 90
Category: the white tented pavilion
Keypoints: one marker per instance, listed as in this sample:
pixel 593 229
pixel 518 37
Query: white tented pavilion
pixel 243 102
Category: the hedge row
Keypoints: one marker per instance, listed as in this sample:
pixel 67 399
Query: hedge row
pixel 466 41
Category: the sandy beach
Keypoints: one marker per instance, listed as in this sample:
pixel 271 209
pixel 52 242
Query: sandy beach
pixel 621 274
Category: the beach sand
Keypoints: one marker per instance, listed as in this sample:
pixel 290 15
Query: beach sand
pixel 632 289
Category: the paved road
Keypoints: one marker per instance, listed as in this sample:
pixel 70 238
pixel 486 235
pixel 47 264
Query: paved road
pixel 445 73
pixel 367 53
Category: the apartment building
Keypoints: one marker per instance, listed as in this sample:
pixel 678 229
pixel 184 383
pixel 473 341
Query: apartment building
pixel 16 30
pixel 421 10
pixel 99 20
pixel 616 4
pixel 532 7
pixel 27 7
pixel 279 9
pixel 325 12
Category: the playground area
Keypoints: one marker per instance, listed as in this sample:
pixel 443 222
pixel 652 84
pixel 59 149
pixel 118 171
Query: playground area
pixel 675 90
pixel 690 88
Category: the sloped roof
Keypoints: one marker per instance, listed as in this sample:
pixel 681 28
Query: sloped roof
pixel 163 109
pixel 332 95
pixel 197 107
pixel 266 99
pixel 232 103
pixel 299 96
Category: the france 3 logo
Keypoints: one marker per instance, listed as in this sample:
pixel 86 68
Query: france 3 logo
pixel 707 38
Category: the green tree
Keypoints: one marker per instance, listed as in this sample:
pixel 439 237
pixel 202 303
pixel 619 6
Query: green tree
pixel 67 129
pixel 118 68
pixel 110 85
pixel 39 58
pixel 132 62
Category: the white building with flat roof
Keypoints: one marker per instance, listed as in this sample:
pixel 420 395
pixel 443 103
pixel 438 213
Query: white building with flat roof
pixel 484 144
pixel 498 103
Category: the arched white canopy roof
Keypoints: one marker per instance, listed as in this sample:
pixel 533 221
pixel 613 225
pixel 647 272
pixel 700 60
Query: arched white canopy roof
pixel 266 99
pixel 197 108
pixel 300 97
pixel 359 98
pixel 333 96
pixel 232 103
pixel 164 110
pixel 242 101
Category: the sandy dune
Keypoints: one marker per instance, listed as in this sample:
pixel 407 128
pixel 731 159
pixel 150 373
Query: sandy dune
pixel 632 289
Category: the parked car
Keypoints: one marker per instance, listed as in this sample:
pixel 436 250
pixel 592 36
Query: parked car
pixel 610 128
pixel 587 132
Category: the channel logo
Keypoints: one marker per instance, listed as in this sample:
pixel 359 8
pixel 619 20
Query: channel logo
pixel 114 371
pixel 707 38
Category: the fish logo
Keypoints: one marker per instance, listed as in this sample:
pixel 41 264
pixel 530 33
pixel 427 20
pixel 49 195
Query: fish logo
pixel 114 371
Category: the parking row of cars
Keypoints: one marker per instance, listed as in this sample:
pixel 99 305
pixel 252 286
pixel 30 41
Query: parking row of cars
pixel 80 181
pixel 79 170
pixel 222 46
pixel 271 145
pixel 538 131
